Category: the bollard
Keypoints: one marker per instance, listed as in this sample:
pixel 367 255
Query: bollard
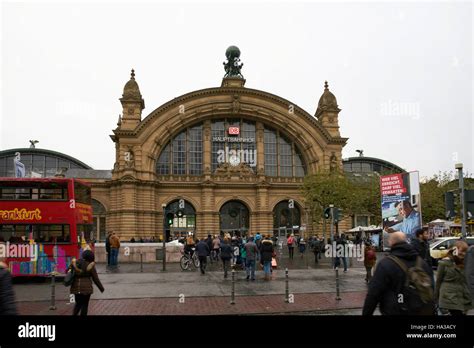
pixel 287 289
pixel 337 284
pixel 232 294
pixel 141 262
pixel 53 291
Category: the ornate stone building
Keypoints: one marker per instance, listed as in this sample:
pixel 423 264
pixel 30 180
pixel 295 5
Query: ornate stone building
pixel 227 158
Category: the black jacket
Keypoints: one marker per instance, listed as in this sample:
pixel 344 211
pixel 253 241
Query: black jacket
pixel 202 249
pixel 423 249
pixel 226 251
pixel 267 250
pixel 389 279
pixel 7 297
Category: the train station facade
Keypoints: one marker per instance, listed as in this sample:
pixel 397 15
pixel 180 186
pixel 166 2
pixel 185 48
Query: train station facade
pixel 227 158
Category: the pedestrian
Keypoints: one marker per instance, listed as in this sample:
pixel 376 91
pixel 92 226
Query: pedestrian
pixel 107 248
pixel 226 255
pixel 341 240
pixel 420 243
pixel 316 249
pixel 216 245
pixel 452 291
pixel 7 295
pixel 81 288
pixel 251 256
pixel 291 245
pixel 267 253
pixel 370 257
pixel 114 250
pixel 203 252
pixel 209 244
pixel 389 282
pixel 258 242
pixel 302 246
pixel 235 250
pixel 469 265
pixel 243 254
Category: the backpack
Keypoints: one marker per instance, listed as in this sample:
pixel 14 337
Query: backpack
pixel 290 241
pixel 417 292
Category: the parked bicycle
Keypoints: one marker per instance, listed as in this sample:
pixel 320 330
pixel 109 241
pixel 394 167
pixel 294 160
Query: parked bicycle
pixel 187 260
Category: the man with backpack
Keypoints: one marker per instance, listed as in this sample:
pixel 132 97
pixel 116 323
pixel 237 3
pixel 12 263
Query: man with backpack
pixel 401 283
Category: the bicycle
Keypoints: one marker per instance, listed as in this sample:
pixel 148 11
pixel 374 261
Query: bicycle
pixel 186 260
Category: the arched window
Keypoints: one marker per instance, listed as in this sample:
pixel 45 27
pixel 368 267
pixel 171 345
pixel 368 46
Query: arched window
pixel 282 156
pixel 99 214
pixel 183 154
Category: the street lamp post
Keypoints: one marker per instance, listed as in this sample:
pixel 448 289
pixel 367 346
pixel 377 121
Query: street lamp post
pixel 461 188
pixel 164 237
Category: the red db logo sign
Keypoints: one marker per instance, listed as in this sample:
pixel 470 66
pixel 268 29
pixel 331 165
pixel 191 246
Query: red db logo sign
pixel 234 131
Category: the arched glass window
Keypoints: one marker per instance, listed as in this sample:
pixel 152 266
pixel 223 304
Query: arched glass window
pixel 183 154
pixel 282 156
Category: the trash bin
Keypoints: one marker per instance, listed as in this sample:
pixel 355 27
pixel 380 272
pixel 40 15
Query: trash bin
pixel 159 254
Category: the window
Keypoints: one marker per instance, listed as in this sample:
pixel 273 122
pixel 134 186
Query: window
pixel 183 154
pixel 82 193
pixel 282 157
pixel 48 234
pixel 35 191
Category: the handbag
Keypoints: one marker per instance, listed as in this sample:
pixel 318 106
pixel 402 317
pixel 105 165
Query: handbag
pixel 69 278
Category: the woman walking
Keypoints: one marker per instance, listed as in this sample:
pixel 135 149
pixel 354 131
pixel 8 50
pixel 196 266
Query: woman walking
pixel 226 255
pixel 267 254
pixel 369 260
pixel 451 291
pixel 81 288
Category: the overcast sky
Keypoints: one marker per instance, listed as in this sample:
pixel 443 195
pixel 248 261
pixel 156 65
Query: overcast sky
pixel 401 72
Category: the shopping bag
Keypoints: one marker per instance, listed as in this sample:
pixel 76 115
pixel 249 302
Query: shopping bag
pixel 274 262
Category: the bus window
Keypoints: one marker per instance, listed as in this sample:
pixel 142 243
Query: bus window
pixel 82 193
pixel 52 234
pixel 14 233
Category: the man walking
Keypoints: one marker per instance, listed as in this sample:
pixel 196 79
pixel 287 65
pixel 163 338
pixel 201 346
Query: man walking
pixel 107 248
pixel 387 286
pixel 420 243
pixel 202 251
pixel 252 252
pixel 114 250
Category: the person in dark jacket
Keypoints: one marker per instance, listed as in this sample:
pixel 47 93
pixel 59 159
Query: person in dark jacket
pixel 452 291
pixel 226 255
pixel 107 247
pixel 267 255
pixel 209 244
pixel 203 252
pixel 81 288
pixel 469 270
pixel 7 296
pixel 420 243
pixel 389 279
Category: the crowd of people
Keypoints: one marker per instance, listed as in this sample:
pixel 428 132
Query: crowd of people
pixel 404 284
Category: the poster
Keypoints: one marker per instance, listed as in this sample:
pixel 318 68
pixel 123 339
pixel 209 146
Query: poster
pixel 401 206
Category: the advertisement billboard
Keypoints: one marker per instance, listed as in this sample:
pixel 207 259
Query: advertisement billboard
pixel 401 205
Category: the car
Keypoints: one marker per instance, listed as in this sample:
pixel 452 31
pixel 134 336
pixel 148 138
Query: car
pixel 439 247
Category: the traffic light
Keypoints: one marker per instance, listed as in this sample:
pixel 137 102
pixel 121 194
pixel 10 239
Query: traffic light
pixel 327 213
pixel 337 215
pixel 169 218
pixel 449 204
pixel 469 199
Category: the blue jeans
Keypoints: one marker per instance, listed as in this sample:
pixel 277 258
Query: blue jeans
pixel 251 268
pixel 267 266
pixel 114 256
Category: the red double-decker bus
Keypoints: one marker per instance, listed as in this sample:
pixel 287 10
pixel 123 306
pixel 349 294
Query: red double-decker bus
pixel 44 223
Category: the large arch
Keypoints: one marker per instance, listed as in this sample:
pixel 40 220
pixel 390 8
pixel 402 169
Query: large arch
pixel 156 130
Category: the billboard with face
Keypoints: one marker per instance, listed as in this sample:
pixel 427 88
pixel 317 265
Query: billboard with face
pixel 401 206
